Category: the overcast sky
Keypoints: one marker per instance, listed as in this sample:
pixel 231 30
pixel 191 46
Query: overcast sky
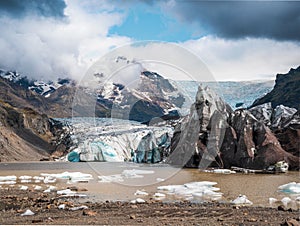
pixel 237 40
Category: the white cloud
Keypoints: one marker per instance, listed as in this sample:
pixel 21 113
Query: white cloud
pixel 245 59
pixel 47 48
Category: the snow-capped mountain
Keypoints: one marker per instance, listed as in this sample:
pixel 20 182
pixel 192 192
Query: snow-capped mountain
pixel 40 87
pixel 154 96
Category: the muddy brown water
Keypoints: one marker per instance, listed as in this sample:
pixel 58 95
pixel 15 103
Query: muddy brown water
pixel 257 187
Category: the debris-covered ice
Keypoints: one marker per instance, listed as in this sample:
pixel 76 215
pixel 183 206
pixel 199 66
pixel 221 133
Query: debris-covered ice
pixel 203 190
pixel 290 188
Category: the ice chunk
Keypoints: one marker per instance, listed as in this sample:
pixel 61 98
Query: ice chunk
pixel 285 201
pixel 37 188
pixel 134 173
pixel 72 176
pixel 111 178
pixel 25 181
pixel 138 200
pixel 160 179
pixel 290 188
pixel 28 212
pixel 272 201
pixel 242 200
pixel 223 171
pixel 203 190
pixel 49 180
pixel 7 182
pixel 66 192
pixel 25 177
pixel 24 188
pixel 38 178
pixel 50 189
pixel 62 206
pixel 159 195
pixel 83 207
pixel 7 178
pixel 138 192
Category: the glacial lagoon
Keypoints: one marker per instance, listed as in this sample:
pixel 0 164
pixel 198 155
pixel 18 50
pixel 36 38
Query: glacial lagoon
pixel 129 181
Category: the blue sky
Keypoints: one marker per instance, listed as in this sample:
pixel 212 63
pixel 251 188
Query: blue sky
pixel 144 23
pixel 237 40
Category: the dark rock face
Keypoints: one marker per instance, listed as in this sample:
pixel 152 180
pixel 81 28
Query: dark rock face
pixel 220 137
pixel 28 135
pixel 286 91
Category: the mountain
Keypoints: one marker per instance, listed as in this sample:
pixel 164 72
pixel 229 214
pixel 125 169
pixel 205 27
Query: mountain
pixel 26 135
pixel 286 91
pixel 153 96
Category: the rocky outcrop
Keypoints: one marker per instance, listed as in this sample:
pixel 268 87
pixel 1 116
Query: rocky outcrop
pixel 286 91
pixel 214 135
pixel 28 135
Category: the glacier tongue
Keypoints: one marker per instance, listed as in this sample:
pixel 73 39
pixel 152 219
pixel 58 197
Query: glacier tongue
pixel 119 140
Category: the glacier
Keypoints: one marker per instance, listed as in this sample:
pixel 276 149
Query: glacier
pixel 116 140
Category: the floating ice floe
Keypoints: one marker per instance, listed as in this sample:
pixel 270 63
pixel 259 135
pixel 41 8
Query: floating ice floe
pixel 49 180
pixel 138 200
pixel 50 189
pixel 66 192
pixel 23 187
pixel 112 178
pixel 28 212
pixel 290 188
pixel 159 195
pixel 223 171
pixel 134 173
pixel 138 192
pixel 25 181
pixel 7 182
pixel 242 200
pixel 37 188
pixel 203 190
pixel 25 177
pixel 126 174
pixel 160 179
pixel 8 178
pixel 72 176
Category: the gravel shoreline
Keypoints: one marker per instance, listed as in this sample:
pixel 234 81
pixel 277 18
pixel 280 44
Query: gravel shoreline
pixel 73 211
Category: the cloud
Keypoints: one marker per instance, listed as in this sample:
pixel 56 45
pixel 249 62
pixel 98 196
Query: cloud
pixel 20 8
pixel 239 19
pixel 50 47
pixel 245 59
